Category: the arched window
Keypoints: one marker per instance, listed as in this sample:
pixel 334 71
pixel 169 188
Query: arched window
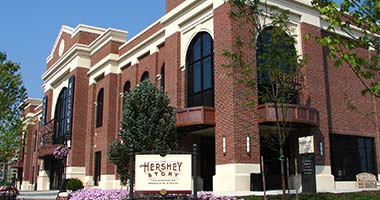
pixel 127 87
pixel 200 71
pixel 144 76
pixel 99 108
pixel 60 117
pixel 273 41
pixel 162 80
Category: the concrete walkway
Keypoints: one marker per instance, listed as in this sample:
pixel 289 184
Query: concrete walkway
pixel 279 192
pixel 38 195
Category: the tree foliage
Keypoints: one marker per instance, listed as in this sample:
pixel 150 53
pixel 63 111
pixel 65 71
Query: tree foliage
pixel 354 24
pixel 274 75
pixel 148 123
pixel 12 95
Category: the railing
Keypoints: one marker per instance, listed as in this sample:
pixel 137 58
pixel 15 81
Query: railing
pixel 200 115
pixel 295 113
pixel 48 139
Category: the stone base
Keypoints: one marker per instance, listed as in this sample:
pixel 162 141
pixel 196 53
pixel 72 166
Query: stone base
pixel 346 185
pixel 234 177
pixel 76 172
pixel 43 182
pixel 89 181
pixel 27 186
pixel 324 179
pixel 109 182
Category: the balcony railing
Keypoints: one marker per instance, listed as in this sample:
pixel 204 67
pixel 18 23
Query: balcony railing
pixel 48 140
pixel 294 113
pixel 196 116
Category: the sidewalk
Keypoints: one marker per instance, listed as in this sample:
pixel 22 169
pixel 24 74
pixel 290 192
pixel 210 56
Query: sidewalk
pixel 38 195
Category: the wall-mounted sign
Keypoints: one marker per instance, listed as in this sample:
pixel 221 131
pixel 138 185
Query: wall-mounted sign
pixel 306 144
pixel 69 111
pixel 171 173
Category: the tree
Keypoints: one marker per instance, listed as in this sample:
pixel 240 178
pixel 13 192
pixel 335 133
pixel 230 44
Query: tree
pixel 148 123
pixel 354 24
pixel 12 96
pixel 274 76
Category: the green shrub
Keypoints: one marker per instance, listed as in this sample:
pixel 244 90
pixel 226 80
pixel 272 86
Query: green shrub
pixel 72 184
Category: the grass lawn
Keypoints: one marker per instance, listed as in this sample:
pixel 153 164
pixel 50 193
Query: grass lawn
pixel 369 195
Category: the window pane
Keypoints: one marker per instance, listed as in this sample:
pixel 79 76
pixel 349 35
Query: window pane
pixel 208 98
pixel 207 45
pixel 197 77
pixel 197 50
pixel 207 73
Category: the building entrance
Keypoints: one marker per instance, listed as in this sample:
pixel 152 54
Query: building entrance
pixel 207 161
pixel 55 168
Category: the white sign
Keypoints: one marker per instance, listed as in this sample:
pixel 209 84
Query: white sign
pixel 306 144
pixel 171 173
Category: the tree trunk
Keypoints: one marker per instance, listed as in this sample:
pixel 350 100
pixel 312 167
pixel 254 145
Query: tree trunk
pixel 282 174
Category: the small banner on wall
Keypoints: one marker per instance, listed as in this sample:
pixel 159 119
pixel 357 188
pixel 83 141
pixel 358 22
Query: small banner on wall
pixel 158 174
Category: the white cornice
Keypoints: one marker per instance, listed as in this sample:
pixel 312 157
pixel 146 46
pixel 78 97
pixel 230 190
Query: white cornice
pixel 76 50
pixel 89 29
pixel 109 35
pixel 181 10
pixel 141 47
pixel 73 32
pixel 108 59
pixel 140 33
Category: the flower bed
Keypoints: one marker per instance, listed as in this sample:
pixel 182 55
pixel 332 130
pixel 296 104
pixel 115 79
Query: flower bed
pixel 98 194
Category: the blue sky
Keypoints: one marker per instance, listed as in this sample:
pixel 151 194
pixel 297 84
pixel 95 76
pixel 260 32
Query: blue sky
pixel 29 28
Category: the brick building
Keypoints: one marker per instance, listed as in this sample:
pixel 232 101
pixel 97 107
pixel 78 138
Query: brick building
pixel 90 68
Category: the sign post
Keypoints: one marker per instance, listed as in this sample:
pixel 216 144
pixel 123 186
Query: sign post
pixel 306 149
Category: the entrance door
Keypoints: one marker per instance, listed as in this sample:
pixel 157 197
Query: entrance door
pixel 272 164
pixel 56 169
pixel 207 157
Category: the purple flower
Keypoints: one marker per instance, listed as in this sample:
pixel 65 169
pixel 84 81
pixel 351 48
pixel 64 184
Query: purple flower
pixel 61 152
pixel 100 194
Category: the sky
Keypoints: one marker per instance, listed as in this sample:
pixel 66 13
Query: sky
pixel 28 28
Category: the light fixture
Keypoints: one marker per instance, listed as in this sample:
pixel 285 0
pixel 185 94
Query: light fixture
pixel 224 145
pixel 248 140
pixel 321 148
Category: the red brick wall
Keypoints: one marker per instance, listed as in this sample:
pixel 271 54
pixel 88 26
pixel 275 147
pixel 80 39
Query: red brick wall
pixel 233 121
pixel 140 38
pixel 111 47
pixel 314 89
pixel 28 153
pixel 171 4
pixel 78 136
pixel 89 159
pixel 49 107
pixel 170 55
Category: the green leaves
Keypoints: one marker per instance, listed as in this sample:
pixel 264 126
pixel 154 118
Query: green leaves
pixel 360 23
pixel 12 95
pixel 148 124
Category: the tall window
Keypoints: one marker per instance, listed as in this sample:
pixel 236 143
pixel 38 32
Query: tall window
pixel 162 80
pixel 273 41
pixel 144 76
pixel 99 108
pixel 60 117
pixel 351 155
pixel 97 167
pixel 200 71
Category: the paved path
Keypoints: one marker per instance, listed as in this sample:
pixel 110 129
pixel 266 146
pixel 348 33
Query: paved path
pixel 38 195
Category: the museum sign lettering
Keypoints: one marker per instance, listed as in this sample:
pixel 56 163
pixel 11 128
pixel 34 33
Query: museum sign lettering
pixel 171 173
